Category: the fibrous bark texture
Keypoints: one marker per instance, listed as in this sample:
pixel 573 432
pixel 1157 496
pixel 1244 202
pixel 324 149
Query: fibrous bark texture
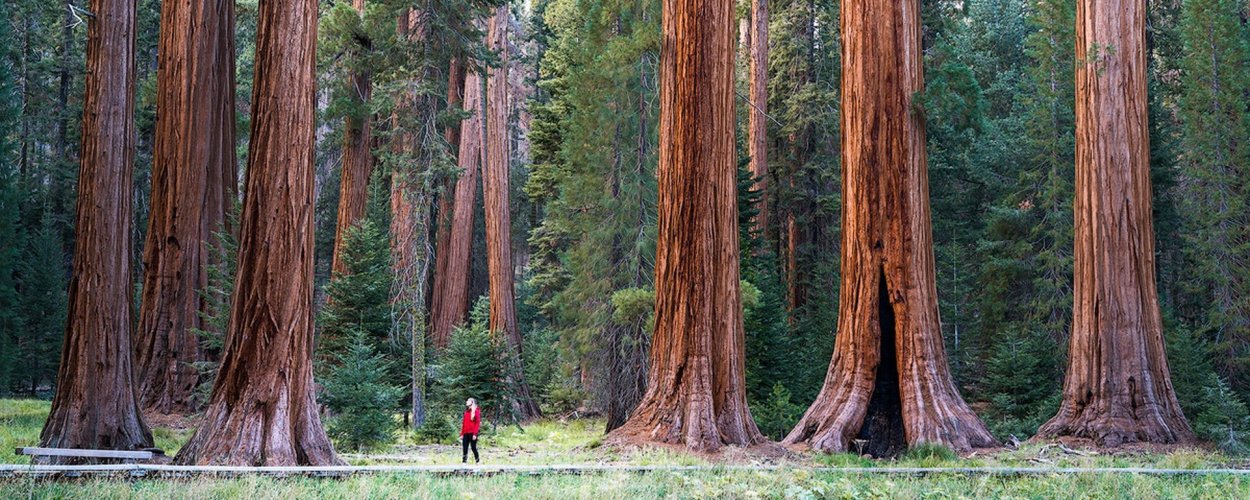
pixel 451 276
pixel 695 387
pixel 419 146
pixel 357 158
pixel 757 142
pixel 495 189
pixel 1118 388
pixel 95 404
pixel 263 409
pixel 193 185
pixel 888 382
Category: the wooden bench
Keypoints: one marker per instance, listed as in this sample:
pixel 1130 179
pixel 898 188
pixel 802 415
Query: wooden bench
pixel 121 455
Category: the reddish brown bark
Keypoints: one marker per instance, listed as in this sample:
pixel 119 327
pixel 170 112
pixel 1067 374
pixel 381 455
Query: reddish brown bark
pixel 888 382
pixel 1118 388
pixel 357 158
pixel 95 404
pixel 263 410
pixel 495 190
pixel 193 185
pixel 695 387
pixel 757 141
pixel 451 278
pixel 495 186
pixel 455 92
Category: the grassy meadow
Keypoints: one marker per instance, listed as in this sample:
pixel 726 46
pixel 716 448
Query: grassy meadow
pixel 580 442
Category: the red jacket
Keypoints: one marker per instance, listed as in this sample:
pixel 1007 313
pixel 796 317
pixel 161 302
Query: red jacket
pixel 472 421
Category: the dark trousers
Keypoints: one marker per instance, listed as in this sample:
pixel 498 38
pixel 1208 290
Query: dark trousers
pixel 469 441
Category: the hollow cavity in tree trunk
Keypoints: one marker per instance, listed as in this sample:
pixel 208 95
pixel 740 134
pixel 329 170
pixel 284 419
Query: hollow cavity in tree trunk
pixel 883 431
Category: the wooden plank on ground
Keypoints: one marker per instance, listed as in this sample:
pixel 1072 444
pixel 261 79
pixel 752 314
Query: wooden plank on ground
pixel 83 453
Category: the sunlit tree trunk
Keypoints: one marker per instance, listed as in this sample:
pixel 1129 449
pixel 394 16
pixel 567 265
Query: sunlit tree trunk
pixel 696 382
pixel 263 410
pixel 95 404
pixel 193 185
pixel 888 383
pixel 1118 389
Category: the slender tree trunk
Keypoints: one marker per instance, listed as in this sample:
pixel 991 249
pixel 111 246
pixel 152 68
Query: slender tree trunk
pixel 1118 389
pixel 95 404
pixel 357 158
pixel 888 382
pixel 263 410
pixel 757 117
pixel 419 147
pixel 495 189
pixel 193 184
pixel 696 382
pixel 451 279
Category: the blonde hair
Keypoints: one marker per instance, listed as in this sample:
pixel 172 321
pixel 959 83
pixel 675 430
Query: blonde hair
pixel 472 401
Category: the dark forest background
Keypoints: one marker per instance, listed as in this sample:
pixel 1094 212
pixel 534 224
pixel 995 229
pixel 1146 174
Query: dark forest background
pixel 999 108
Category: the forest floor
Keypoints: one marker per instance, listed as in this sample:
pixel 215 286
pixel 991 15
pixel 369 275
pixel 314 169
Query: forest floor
pixel 578 442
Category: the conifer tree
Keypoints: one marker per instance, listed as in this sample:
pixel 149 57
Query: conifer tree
pixel 1215 198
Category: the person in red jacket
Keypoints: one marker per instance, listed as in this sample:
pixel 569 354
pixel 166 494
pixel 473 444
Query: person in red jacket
pixel 469 428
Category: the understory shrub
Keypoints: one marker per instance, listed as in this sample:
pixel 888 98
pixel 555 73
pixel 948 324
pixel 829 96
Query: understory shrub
pixel 362 403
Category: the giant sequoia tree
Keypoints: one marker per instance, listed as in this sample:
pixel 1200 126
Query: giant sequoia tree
pixel 888 382
pixel 451 275
pixel 357 141
pixel 1117 388
pixel 696 392
pixel 495 189
pixel 263 409
pixel 95 405
pixel 193 185
pixel 757 126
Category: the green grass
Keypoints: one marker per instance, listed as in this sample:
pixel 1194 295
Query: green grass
pixel 20 423
pixel 580 442
pixel 796 483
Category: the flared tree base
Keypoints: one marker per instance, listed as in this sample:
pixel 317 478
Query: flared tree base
pixel 1107 430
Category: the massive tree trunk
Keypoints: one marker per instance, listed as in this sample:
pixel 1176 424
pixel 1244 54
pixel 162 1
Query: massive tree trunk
pixel 193 185
pixel 756 122
pixel 696 382
pixel 263 410
pixel 1118 388
pixel 442 230
pixel 495 189
pixel 357 157
pixel 888 382
pixel 451 278
pixel 95 405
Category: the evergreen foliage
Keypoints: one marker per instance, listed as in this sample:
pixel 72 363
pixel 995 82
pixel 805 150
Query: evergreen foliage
pixel 358 301
pixel 1215 198
pixel 1225 420
pixel 472 366
pixel 217 295
pixel 357 392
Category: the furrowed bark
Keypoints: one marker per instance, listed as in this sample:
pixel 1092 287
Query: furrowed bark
pixel 263 409
pixel 888 382
pixel 95 404
pixel 193 185
pixel 495 190
pixel 1118 388
pixel 757 117
pixel 451 280
pixel 695 387
pixel 357 159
